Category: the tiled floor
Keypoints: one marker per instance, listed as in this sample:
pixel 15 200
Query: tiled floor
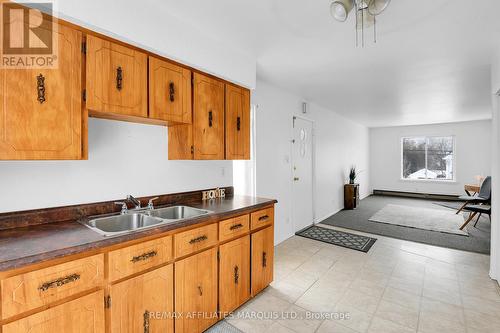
pixel 399 286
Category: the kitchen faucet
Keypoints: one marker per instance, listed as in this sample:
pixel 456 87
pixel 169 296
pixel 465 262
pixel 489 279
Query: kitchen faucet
pixel 136 202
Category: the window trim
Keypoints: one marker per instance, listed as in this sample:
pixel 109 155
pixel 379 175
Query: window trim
pixel 444 181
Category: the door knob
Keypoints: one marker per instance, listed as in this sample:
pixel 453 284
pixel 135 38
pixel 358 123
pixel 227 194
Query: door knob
pixel 296 179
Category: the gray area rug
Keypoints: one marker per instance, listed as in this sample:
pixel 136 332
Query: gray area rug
pixel 478 240
pixel 421 218
pixel 223 327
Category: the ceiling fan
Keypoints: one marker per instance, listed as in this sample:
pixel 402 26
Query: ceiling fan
pixel 366 12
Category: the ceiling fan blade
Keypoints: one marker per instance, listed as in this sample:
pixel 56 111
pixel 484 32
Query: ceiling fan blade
pixel 376 7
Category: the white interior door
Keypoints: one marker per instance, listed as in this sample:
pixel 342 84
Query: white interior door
pixel 302 173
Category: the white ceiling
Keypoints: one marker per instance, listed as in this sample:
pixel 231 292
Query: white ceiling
pixel 431 63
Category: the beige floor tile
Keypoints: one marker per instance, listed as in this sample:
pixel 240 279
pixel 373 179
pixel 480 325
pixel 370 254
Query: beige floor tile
pixel 368 287
pixel 300 320
pixel 488 293
pixel 433 323
pixel 334 326
pixel 410 285
pixel 286 291
pixel 266 302
pixel 379 325
pixel 399 314
pixel 360 301
pixel 431 307
pixel 316 266
pixel 449 297
pixel 358 320
pixel 300 279
pixel 278 328
pixel 402 298
pixel 481 305
pixel 252 325
pixel 319 299
pixel 481 322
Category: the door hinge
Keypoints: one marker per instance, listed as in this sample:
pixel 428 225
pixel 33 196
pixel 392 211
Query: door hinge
pixel 84 47
pixel 107 302
pixel 84 95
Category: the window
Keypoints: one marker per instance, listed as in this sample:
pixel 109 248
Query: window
pixel 427 158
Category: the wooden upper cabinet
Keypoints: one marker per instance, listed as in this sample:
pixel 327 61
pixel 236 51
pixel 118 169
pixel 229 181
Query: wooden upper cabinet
pixel 44 124
pixel 135 302
pixel 169 92
pixel 116 78
pixel 208 118
pixel 237 123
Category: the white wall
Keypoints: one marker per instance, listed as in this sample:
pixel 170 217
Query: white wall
pixel 473 156
pixel 124 158
pixel 150 25
pixel 339 144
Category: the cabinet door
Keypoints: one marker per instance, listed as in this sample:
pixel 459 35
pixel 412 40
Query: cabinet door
pixel 237 123
pixel 262 259
pixel 49 128
pixel 116 78
pixel 180 142
pixel 234 271
pixel 83 315
pixel 169 92
pixel 208 118
pixel 143 303
pixel 196 292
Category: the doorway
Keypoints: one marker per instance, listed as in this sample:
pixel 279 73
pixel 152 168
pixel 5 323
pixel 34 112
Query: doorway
pixel 302 173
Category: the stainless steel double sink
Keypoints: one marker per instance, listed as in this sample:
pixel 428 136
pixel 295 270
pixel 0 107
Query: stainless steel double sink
pixel 135 220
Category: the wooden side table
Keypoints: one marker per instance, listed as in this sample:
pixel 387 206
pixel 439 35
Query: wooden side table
pixel 351 196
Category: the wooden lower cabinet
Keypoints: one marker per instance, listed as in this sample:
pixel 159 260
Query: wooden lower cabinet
pixel 143 303
pixel 83 315
pixel 262 259
pixel 234 274
pixel 196 292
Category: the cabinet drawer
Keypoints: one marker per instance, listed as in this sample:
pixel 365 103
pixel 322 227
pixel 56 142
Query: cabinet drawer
pixel 194 240
pixel 139 257
pixel 85 314
pixel 234 227
pixel 262 217
pixel 34 289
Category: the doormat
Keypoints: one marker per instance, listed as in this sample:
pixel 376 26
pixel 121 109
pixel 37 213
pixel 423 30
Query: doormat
pixel 339 238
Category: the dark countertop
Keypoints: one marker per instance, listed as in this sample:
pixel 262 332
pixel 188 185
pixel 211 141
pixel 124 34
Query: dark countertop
pixel 38 243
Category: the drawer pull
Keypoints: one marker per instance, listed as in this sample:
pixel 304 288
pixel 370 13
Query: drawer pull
pixel 264 259
pixel 119 78
pixel 210 118
pixel 236 274
pixel 146 321
pixel 200 290
pixel 144 256
pixel 238 123
pixel 59 282
pixel 171 91
pixel 40 86
pixel 198 239
pixel 263 217
pixel 236 226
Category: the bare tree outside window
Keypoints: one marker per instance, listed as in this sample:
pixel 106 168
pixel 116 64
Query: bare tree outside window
pixel 428 158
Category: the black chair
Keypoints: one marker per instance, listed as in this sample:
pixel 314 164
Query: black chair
pixel 474 210
pixel 483 197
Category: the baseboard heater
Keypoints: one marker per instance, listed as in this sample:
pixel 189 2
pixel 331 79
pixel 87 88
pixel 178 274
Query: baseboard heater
pixel 430 196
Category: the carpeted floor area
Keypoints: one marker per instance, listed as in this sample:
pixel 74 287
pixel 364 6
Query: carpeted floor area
pixel 478 240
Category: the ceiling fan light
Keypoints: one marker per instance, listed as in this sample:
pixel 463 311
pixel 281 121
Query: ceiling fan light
pixel 340 9
pixel 365 19
pixel 376 7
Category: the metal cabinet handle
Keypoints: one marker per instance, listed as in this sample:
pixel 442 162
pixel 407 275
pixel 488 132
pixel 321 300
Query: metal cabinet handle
pixel 119 78
pixel 144 256
pixel 146 321
pixel 59 282
pixel 210 118
pixel 200 290
pixel 171 91
pixel 236 226
pixel 236 274
pixel 238 123
pixel 40 87
pixel 264 217
pixel 198 239
pixel 264 259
